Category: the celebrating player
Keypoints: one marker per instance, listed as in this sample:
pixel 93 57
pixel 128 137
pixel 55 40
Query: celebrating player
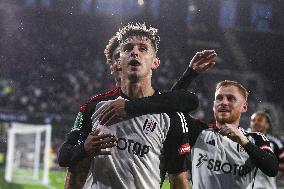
pixel 137 161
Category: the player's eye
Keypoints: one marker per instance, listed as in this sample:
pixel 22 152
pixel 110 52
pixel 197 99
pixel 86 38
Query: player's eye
pixel 142 48
pixel 128 47
pixel 219 98
pixel 231 98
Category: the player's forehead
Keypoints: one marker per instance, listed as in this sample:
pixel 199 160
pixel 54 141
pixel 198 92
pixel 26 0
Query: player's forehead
pixel 228 91
pixel 257 116
pixel 137 40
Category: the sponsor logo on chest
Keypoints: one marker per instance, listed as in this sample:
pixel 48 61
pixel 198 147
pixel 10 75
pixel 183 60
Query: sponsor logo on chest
pixel 132 147
pixel 216 165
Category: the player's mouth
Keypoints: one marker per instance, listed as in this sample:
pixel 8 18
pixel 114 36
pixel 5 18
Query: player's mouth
pixel 224 111
pixel 257 126
pixel 134 63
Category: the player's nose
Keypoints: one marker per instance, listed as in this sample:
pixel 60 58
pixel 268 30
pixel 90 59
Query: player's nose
pixel 135 52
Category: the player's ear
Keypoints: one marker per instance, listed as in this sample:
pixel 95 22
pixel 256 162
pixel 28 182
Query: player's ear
pixel 156 63
pixel 245 107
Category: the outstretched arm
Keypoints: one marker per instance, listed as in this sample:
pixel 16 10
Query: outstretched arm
pixel 174 101
pixel 178 100
pixel 201 62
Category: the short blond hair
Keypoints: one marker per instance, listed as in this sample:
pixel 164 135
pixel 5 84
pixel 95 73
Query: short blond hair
pixel 227 83
pixel 139 29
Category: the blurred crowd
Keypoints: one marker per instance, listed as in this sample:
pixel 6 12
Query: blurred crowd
pixel 54 62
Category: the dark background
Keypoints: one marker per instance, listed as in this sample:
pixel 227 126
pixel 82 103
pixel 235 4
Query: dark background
pixel 51 53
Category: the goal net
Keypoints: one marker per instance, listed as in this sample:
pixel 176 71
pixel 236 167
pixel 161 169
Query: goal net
pixel 28 154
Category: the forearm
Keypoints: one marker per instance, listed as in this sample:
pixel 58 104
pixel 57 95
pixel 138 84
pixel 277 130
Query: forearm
pixel 185 80
pixel 70 155
pixel 264 160
pixel 72 150
pixel 175 101
pixel 179 181
pixel 281 167
pixel 76 177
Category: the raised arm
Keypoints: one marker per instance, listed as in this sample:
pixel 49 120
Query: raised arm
pixel 174 101
pixel 201 62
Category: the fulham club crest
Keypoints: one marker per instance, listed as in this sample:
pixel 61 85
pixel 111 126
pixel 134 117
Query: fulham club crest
pixel 149 126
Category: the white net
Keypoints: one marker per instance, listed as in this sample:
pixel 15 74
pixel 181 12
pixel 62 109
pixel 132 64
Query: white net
pixel 28 153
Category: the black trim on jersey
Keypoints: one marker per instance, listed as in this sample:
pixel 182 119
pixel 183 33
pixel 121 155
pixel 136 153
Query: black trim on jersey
pixel 72 150
pixel 277 147
pixel 265 160
pixel 176 162
pixel 175 101
pixel 185 80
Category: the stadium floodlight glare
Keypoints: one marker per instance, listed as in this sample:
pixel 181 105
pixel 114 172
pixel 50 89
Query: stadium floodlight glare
pixel 140 2
pixel 25 161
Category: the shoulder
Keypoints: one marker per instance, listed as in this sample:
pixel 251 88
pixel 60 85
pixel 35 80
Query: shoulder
pixel 276 141
pixel 259 139
pixel 257 136
pixel 83 119
pixel 109 95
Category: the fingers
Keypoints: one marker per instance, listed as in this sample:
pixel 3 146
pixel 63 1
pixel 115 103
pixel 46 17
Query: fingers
pixel 113 119
pixel 206 57
pixel 106 114
pixel 104 146
pixel 103 136
pixel 203 60
pixel 204 54
pixel 228 131
pixel 96 132
pixel 104 110
pixel 104 153
pixel 206 66
pixel 225 130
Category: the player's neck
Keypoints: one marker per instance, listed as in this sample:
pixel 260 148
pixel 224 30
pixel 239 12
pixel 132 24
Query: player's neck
pixel 137 89
pixel 234 124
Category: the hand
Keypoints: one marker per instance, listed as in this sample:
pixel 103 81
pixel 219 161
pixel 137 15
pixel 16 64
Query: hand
pixel 203 61
pixel 113 113
pixel 234 134
pixel 95 142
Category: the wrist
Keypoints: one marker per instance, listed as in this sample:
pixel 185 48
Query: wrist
pixel 243 141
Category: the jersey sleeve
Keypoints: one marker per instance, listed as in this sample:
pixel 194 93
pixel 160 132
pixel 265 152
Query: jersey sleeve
pixel 185 80
pixel 195 128
pixel 176 145
pixel 262 155
pixel 72 150
pixel 278 149
pixel 262 142
pixel 175 101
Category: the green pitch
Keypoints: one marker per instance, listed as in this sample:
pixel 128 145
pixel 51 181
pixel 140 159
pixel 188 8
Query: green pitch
pixel 57 179
pixel 56 182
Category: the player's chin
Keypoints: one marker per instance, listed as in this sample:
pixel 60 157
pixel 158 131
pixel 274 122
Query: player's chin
pixel 223 120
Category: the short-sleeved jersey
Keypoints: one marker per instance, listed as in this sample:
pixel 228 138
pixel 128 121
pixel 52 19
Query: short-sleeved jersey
pixel 217 161
pixel 262 181
pixel 147 147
